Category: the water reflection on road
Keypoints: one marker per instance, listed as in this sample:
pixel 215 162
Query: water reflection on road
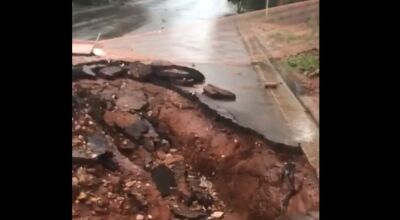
pixel 194 32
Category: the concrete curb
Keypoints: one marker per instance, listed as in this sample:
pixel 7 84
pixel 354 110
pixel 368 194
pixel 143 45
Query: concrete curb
pixel 291 83
pixel 310 148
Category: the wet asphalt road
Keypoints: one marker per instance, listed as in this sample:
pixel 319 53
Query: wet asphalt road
pixel 194 32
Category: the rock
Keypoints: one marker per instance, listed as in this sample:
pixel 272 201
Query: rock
pixel 97 143
pixel 204 183
pixel 271 85
pixel 164 145
pixel 130 183
pixel 82 196
pixel 107 161
pixel 88 70
pixel 183 211
pixel 110 72
pixel 80 73
pixel 81 158
pixel 132 102
pixel 109 105
pixel 151 133
pixel 218 93
pixel 138 200
pixel 140 71
pixel 77 101
pixel 148 161
pixel 84 178
pixel 127 146
pixel 203 198
pixel 164 179
pixel 217 214
pixel 136 130
pixel 184 192
pixel 149 145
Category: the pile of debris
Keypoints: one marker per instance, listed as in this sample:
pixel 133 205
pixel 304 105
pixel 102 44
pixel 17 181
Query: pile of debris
pixel 122 166
pixel 156 72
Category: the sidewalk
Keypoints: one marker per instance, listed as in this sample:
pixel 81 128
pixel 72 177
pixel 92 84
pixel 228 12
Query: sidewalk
pixel 286 31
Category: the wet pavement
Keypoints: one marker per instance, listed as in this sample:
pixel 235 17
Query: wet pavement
pixel 138 16
pixel 196 33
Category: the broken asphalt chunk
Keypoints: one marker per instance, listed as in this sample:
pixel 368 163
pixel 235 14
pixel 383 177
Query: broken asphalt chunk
pixel 140 71
pixel 163 178
pixel 86 69
pixel 81 158
pixel 183 82
pixel 108 161
pixel 97 144
pixel 218 93
pixel 110 72
pixel 131 124
pixel 79 73
pixel 136 130
pixel 168 71
pixel 149 145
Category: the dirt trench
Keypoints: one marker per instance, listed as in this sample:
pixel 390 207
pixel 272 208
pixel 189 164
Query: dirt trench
pixel 144 151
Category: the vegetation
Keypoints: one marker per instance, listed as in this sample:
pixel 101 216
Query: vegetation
pixel 304 62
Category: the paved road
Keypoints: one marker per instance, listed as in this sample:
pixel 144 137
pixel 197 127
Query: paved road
pixel 194 32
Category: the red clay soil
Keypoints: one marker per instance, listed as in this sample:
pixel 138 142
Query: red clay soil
pixel 246 170
pixel 250 178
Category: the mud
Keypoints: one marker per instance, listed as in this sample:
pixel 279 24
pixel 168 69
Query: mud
pixel 219 169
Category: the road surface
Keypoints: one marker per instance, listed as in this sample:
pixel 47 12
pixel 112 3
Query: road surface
pixel 193 32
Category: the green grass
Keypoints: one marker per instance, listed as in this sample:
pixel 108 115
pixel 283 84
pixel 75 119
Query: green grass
pixel 304 62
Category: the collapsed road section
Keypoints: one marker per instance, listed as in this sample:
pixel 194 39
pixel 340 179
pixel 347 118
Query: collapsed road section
pixel 143 149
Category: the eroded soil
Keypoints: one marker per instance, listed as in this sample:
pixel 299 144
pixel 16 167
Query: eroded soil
pixel 144 151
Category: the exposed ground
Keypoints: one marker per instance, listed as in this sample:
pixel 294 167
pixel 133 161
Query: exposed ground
pixel 142 149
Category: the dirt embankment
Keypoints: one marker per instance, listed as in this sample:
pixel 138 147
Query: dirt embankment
pixel 142 151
